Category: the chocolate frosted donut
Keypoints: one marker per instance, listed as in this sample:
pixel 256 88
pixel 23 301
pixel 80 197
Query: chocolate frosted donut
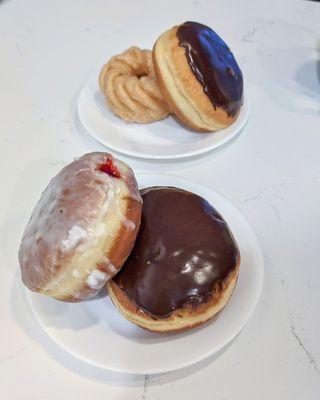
pixel 213 64
pixel 183 267
pixel 199 76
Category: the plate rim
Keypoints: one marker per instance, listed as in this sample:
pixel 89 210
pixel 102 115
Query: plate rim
pixel 244 111
pixel 193 361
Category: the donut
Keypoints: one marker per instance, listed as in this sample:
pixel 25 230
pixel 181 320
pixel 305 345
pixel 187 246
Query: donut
pixel 82 229
pixel 128 84
pixel 183 267
pixel 198 76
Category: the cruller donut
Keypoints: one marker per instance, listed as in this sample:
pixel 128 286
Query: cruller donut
pixel 198 76
pixel 82 229
pixel 183 267
pixel 128 83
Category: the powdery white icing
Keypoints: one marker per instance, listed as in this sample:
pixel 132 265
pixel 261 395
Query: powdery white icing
pixel 67 217
pixel 97 279
pixel 112 268
pixel 74 236
pixel 128 223
pixel 108 267
pixel 76 273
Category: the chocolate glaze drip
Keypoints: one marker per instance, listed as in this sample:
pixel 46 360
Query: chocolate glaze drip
pixel 213 64
pixel 183 249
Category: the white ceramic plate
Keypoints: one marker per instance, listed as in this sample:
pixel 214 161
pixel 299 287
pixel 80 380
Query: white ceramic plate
pixel 165 139
pixel 96 333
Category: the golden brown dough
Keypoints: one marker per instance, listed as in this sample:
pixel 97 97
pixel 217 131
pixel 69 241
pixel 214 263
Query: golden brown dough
pixel 180 320
pixel 128 83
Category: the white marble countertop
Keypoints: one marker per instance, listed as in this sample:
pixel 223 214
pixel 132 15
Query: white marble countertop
pixel 271 173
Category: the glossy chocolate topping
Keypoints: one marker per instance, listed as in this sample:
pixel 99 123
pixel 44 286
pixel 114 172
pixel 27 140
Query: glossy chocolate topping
pixel 183 249
pixel 213 64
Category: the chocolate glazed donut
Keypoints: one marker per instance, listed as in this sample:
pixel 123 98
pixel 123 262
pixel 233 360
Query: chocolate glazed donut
pixel 184 264
pixel 214 65
pixel 198 76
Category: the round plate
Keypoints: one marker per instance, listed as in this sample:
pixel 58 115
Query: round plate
pixel 165 139
pixel 96 333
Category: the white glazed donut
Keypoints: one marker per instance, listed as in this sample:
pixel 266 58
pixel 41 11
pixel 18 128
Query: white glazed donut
pixel 82 229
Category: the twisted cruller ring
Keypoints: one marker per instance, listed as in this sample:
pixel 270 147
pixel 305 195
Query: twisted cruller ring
pixel 130 88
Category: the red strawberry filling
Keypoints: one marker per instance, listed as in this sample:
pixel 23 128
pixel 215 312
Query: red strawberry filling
pixel 109 168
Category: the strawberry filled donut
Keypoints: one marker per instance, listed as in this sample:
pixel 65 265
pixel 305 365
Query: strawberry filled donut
pixel 82 229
